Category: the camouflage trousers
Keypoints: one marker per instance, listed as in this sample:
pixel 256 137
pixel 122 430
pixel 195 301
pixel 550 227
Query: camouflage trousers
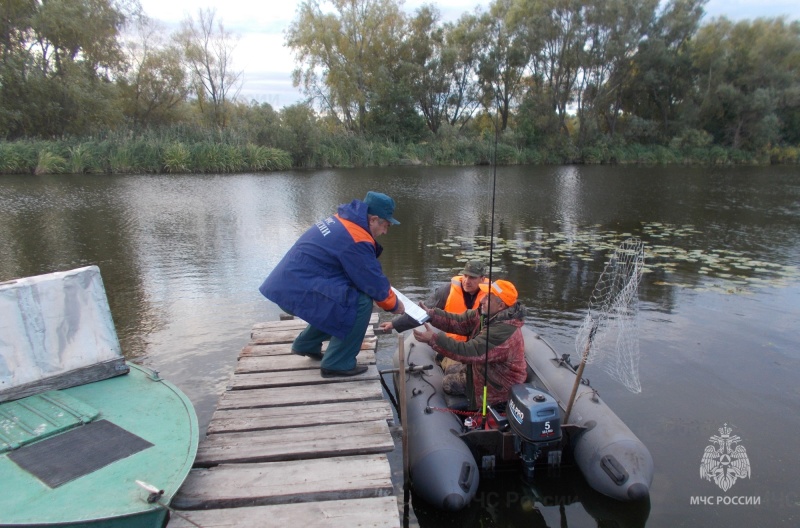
pixel 455 378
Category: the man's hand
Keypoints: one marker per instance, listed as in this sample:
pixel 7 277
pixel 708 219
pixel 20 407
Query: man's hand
pixel 428 311
pixel 386 326
pixel 424 336
pixel 400 309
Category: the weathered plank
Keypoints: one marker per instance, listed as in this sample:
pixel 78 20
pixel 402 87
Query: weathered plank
pixel 288 446
pixel 250 365
pixel 234 485
pixel 378 512
pixel 287 335
pixel 355 388
pixel 297 323
pixel 279 325
pixel 279 349
pixel 294 444
pixel 273 337
pixel 288 378
pixel 240 420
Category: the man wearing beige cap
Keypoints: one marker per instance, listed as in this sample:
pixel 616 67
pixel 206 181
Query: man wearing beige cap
pixel 498 320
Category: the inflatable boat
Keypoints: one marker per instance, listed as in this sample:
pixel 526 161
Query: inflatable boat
pixel 448 448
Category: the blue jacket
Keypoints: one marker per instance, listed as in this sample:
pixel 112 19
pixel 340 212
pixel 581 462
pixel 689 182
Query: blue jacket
pixel 319 279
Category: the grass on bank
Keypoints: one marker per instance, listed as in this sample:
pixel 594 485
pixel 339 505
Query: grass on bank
pixel 173 155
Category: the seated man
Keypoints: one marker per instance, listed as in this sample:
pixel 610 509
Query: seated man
pixel 499 320
pixel 459 295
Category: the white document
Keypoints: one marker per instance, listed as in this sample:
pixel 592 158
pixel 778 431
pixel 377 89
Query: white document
pixel 412 309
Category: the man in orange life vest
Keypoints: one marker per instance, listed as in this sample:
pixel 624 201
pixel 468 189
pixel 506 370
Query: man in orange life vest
pixel 499 354
pixel 461 294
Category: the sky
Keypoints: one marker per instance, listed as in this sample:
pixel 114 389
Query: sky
pixel 267 64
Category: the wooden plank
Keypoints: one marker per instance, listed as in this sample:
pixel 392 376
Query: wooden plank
pixel 290 378
pixel 288 335
pixel 319 441
pixel 278 349
pixel 378 512
pixel 240 420
pixel 79 376
pixel 235 485
pixel 273 337
pixel 279 325
pixel 298 323
pixel 355 388
pixel 250 365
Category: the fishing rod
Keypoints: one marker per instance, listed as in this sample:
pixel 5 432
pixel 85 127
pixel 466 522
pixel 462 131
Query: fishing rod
pixel 491 262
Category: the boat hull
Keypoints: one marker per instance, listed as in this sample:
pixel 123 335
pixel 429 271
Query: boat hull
pixel 610 456
pixel 141 404
pixel 613 460
pixel 442 468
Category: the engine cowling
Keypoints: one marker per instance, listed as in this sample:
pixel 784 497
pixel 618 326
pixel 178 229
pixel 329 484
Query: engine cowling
pixel 534 418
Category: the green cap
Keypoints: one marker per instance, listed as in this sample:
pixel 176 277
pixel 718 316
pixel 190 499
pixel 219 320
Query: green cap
pixel 474 268
pixel 380 205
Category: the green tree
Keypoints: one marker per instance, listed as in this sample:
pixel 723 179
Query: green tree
pixel 749 76
pixel 663 80
pixel 155 83
pixel 341 54
pixel 301 134
pixel 502 62
pixel 615 30
pixel 59 58
pixel 443 60
pixel 208 48
pixel 555 37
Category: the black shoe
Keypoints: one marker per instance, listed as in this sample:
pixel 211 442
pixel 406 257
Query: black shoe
pixel 358 369
pixel 313 355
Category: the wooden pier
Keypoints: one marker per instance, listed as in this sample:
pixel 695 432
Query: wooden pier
pixel 288 447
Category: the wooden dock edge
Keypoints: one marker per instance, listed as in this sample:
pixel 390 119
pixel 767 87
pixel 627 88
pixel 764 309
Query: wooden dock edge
pixel 288 446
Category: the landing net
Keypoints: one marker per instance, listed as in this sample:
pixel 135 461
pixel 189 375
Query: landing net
pixel 609 335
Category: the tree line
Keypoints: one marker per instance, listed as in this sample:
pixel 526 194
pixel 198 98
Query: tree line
pixel 557 80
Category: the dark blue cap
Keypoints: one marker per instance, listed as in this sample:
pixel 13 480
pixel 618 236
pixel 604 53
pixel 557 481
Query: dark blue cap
pixel 380 205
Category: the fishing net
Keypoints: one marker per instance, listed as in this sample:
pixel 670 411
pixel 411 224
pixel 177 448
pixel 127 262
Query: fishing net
pixel 609 335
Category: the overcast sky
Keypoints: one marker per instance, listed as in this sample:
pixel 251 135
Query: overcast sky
pixel 267 64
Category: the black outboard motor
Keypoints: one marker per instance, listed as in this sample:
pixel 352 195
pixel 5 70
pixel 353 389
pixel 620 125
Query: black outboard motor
pixel 534 418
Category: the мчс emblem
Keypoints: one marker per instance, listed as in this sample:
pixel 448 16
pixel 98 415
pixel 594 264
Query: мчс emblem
pixel 727 462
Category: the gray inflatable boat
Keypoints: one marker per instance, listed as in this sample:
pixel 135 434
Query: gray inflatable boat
pixel 446 449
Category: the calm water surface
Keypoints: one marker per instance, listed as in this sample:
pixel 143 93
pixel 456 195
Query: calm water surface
pixel 182 258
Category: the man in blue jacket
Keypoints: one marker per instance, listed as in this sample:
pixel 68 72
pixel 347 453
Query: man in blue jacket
pixel 330 278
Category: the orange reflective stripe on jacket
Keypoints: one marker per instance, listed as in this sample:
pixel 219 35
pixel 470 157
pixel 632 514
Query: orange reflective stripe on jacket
pixel 455 301
pixel 359 234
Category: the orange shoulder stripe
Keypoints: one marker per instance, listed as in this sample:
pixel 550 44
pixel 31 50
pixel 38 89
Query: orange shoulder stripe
pixel 358 233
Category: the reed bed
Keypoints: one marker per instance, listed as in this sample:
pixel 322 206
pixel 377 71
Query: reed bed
pixel 138 156
pixel 196 151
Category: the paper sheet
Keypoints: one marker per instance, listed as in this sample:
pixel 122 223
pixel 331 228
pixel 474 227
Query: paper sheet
pixel 412 309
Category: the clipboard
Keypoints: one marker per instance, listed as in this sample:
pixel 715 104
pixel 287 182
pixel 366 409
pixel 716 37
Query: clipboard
pixel 412 309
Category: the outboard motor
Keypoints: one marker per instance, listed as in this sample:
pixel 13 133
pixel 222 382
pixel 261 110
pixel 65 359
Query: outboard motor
pixel 534 418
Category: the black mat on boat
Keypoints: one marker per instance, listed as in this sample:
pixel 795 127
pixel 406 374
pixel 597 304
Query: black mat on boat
pixel 77 452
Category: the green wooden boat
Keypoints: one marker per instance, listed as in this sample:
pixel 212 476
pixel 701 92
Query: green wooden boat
pixel 101 443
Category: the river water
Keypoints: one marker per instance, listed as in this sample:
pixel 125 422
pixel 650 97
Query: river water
pixel 719 305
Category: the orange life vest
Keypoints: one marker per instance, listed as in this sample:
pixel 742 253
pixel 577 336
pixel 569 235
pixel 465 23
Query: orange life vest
pixel 455 301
